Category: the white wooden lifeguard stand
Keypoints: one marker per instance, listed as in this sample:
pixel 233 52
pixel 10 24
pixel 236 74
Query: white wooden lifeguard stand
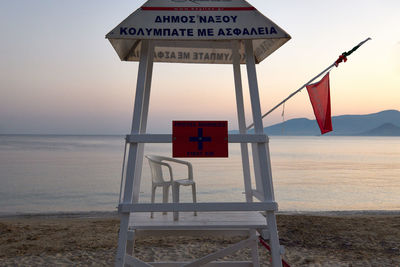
pixel 214 32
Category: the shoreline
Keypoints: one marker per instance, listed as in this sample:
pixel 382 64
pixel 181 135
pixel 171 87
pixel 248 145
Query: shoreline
pixel 362 238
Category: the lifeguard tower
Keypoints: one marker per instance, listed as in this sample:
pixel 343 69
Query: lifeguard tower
pixel 222 32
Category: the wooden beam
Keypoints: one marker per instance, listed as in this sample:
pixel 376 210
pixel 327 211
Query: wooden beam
pixel 209 206
pixel 222 253
pixel 211 264
pixel 167 138
pixel 132 261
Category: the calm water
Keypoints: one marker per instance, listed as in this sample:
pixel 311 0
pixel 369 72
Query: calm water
pixel 82 173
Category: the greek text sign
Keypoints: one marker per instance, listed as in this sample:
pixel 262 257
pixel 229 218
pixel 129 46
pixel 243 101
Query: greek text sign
pixel 199 139
pixel 197 20
pixel 168 21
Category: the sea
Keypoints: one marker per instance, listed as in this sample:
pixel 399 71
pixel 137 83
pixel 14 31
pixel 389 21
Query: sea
pixel 61 174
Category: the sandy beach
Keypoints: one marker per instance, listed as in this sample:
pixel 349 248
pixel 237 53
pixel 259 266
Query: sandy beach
pixel 352 239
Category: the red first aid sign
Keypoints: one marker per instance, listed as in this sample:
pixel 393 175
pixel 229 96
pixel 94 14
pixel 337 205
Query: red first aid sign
pixel 200 139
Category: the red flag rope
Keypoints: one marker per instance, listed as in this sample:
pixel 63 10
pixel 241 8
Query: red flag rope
pixel 284 263
pixel 340 59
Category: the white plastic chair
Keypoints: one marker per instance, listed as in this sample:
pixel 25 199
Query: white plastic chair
pixel 158 179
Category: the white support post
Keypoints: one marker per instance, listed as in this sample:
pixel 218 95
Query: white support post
pixel 258 125
pixel 269 168
pixel 257 173
pixel 241 120
pixel 130 244
pixel 261 150
pixel 133 152
pixel 254 248
pixel 143 122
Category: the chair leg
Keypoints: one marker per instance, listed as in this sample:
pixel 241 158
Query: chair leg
pixel 153 197
pixel 175 199
pixel 194 196
pixel 165 195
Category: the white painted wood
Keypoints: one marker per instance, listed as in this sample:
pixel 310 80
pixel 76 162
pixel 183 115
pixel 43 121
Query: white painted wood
pixel 207 206
pixel 122 173
pixel 143 121
pixel 259 195
pixel 265 165
pixel 211 264
pixel 132 155
pixel 222 220
pixel 253 87
pixel 195 232
pixel 137 116
pixel 194 44
pixel 265 41
pixel 256 112
pixel 226 216
pixel 131 235
pixel 254 248
pixel 222 253
pixel 261 151
pixel 269 170
pixel 203 221
pixel 256 168
pixel 260 158
pixel 135 262
pixel 265 234
pixel 274 240
pixel 241 120
pixel 167 138
pixel 130 243
pixel 122 240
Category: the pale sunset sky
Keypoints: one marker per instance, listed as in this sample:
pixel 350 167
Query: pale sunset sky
pixel 59 75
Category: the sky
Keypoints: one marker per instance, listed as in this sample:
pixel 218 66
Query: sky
pixel 59 75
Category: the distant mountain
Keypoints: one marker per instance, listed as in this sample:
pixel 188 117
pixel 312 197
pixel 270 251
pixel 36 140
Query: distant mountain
pixel 301 126
pixel 370 124
pixel 386 129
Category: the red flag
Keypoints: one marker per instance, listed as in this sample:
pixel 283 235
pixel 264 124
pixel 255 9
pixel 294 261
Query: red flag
pixel 321 102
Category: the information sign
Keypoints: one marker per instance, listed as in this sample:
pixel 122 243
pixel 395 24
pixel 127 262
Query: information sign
pixel 200 139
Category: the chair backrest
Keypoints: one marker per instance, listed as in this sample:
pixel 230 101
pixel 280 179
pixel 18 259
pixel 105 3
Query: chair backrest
pixel 156 169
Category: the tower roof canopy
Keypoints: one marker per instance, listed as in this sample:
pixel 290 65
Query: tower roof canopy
pixel 196 31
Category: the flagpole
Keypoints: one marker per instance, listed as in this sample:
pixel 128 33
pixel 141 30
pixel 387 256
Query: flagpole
pixel 341 58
